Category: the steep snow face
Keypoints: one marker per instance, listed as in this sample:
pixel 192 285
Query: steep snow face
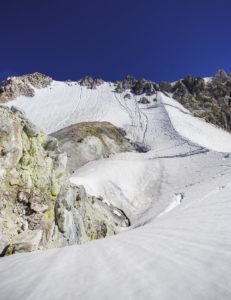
pixel 179 192
pixel 195 129
pixel 61 104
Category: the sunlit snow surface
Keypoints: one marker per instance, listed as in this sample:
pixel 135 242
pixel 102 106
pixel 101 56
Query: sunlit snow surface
pixel 177 196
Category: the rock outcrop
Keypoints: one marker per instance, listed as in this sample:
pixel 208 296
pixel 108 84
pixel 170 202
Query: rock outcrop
pixel 81 218
pixel 137 87
pixel 90 82
pixel 39 208
pixel 24 85
pixel 208 99
pixel 31 179
pixel 87 141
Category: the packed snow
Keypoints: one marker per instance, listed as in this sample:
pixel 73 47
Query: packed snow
pixel 177 196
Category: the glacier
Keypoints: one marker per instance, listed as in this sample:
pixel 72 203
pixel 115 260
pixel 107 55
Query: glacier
pixel 177 196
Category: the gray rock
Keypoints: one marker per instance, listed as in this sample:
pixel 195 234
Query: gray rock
pixel 3 243
pixel 37 80
pixel 82 218
pixel 67 217
pixel 144 100
pixel 31 130
pixel 90 82
pixel 84 142
pixel 208 100
pixel 27 241
pixel 17 110
pixel 24 85
pixel 51 144
pixel 38 205
pixel 23 197
pixel 137 87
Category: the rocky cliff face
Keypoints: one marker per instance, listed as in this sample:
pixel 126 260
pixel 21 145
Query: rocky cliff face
pixel 32 174
pixel 25 85
pixel 39 208
pixel 81 218
pixel 207 99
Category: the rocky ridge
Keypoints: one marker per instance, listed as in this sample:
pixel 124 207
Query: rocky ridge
pixel 208 99
pixel 137 87
pixel 90 82
pixel 87 141
pixel 24 85
pixel 39 208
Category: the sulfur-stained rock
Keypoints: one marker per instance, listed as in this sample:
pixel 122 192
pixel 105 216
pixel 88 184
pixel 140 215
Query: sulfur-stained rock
pixel 30 173
pixel 39 208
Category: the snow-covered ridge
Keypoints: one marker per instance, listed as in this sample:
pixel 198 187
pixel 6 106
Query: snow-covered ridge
pixel 61 104
pixel 25 85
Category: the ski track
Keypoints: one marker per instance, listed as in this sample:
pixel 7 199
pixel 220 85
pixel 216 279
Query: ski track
pixel 63 122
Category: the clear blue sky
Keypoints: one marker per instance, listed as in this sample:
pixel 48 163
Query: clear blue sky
pixel 157 40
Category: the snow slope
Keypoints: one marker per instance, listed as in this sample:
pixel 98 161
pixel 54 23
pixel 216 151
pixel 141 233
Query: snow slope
pixel 61 104
pixel 177 196
pixel 185 254
pixel 195 129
